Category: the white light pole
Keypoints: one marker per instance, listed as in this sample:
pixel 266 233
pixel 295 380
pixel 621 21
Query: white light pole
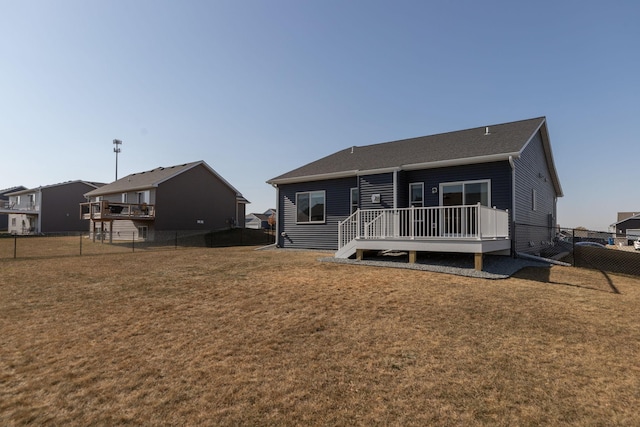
pixel 116 150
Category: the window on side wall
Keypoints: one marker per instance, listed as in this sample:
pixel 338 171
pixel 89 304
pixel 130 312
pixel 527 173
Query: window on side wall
pixel 355 196
pixel 534 202
pixel 310 207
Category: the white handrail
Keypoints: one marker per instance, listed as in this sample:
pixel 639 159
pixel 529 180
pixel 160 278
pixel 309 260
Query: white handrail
pixel 442 222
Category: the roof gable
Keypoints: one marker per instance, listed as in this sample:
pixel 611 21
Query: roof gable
pixel 149 179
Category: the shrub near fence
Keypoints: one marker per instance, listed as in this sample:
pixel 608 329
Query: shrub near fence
pixel 84 243
pixel 599 250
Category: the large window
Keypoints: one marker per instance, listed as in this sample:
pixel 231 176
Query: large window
pixel 416 194
pixel 465 193
pixel 354 199
pixel 310 207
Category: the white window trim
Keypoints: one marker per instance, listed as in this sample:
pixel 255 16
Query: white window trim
pixel 143 231
pixel 463 183
pixel 124 197
pixel 324 207
pixel 351 201
pixel 411 185
pixel 145 196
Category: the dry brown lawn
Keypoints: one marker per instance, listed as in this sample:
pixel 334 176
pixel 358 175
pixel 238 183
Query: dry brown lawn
pixel 238 337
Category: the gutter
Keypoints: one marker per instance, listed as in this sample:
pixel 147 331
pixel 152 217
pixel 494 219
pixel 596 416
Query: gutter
pixel 408 167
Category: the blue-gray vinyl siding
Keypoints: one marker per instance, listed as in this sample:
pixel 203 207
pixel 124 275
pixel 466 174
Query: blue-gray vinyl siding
pixel 314 236
pixel 498 173
pixel 371 185
pixel 338 191
pixel 532 173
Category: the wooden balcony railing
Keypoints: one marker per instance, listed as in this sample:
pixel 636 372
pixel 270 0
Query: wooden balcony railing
pixel 105 210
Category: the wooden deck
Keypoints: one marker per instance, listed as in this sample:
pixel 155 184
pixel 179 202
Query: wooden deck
pixel 461 229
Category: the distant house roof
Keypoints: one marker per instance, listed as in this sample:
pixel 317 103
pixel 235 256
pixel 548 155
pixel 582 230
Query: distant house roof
pixel 477 145
pixel 150 179
pixel 261 217
pixel 31 190
pixel 12 189
pixel 626 216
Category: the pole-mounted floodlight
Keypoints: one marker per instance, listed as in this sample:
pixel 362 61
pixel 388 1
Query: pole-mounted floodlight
pixel 116 150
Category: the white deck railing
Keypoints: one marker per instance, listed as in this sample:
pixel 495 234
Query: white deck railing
pixel 439 222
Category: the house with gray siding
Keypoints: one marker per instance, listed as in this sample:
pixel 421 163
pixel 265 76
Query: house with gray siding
pixel 259 221
pixel 4 206
pixel 459 191
pixel 627 227
pixel 187 197
pixel 47 209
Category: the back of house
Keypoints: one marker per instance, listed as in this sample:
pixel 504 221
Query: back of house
pixel 187 197
pixel 447 191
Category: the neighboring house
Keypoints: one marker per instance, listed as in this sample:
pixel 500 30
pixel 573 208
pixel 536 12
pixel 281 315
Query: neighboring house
pixel 47 209
pixel 627 227
pixel 187 197
pixel 259 221
pixel 4 206
pixel 452 192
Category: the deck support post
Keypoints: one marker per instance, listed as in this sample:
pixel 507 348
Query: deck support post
pixel 478 261
pixel 412 257
pixel 359 254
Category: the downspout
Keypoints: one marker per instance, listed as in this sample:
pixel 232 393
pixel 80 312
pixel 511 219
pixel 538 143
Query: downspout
pixel 395 189
pixel 278 210
pixel 40 209
pixel 513 188
pixel 512 163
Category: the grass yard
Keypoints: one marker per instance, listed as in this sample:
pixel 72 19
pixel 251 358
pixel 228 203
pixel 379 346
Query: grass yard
pixel 231 336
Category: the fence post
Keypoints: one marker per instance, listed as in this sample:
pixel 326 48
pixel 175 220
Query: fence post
pixel 80 243
pixel 15 246
pixel 573 244
pixel 133 241
pixel 176 246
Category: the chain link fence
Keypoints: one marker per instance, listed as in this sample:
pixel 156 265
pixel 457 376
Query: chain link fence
pixel 599 250
pixel 85 243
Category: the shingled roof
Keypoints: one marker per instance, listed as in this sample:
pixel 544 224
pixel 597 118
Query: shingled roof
pixel 446 149
pixel 150 179
pixel 42 187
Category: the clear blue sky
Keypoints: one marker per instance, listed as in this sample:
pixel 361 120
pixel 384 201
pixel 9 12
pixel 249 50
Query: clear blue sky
pixel 257 88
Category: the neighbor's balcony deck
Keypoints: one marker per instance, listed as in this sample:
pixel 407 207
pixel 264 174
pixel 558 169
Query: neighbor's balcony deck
pixel 109 211
pixel 471 229
pixel 7 207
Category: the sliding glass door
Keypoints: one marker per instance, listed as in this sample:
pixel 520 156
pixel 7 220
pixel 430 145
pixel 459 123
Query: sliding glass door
pixel 460 220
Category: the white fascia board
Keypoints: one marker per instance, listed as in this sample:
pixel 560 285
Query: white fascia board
pixel 460 162
pixel 378 171
pixel 319 177
pixel 107 192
